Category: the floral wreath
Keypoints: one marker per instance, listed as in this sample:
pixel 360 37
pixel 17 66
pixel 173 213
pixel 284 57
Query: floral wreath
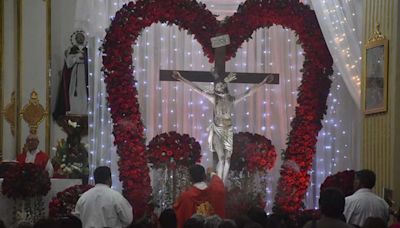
pixel 25 181
pixel 341 180
pixel 64 203
pixel 173 149
pixel 197 20
pixel 252 152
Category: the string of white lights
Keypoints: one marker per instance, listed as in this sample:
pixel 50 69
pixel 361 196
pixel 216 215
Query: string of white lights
pixel 341 24
pixel 168 106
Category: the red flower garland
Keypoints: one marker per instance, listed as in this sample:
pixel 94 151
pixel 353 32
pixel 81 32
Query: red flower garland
pixel 173 149
pixel 25 181
pixel 64 203
pixel 252 152
pixel 192 16
pixel 341 180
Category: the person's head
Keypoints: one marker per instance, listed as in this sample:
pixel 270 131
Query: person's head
pixel 331 203
pixel 197 173
pixel 24 225
pixel 221 88
pixel 80 38
pixel 2 225
pixel 227 223
pixel 168 219
pixel 137 225
pixel 212 221
pixel 69 222
pixel 194 223
pixel 242 220
pixel 364 179
pixel 32 142
pixel 252 225
pixel 45 223
pixel 278 220
pixel 374 222
pixel 258 215
pixel 398 215
pixel 102 175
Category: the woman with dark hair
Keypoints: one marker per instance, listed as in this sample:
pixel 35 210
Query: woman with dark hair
pixel 331 204
pixel 167 219
pixel 374 222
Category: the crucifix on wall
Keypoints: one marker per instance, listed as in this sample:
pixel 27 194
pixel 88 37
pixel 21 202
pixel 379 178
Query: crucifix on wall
pixel 220 138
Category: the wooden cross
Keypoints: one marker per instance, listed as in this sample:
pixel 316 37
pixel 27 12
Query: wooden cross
pixel 202 76
pixel 219 44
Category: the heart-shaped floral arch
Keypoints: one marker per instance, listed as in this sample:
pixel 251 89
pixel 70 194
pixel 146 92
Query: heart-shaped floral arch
pixel 197 20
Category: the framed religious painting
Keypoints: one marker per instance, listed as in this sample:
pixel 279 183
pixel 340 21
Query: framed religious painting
pixel 376 63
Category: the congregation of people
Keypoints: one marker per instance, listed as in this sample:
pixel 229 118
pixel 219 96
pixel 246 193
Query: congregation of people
pixel 203 206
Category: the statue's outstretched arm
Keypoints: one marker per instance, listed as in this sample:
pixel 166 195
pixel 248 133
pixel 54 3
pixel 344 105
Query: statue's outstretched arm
pixel 249 92
pixel 195 87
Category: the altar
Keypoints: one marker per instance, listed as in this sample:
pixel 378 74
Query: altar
pixel 57 185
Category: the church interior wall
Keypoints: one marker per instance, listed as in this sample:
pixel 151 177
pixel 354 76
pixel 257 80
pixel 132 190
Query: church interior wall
pixel 381 132
pixel 32 61
pixel 9 72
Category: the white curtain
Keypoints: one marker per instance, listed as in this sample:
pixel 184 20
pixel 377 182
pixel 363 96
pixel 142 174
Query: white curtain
pixel 172 106
pixel 341 24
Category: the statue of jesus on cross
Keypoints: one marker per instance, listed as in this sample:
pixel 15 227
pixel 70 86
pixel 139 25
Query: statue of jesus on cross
pixel 220 138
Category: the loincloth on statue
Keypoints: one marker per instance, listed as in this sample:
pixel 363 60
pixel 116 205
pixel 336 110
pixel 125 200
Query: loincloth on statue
pixel 223 133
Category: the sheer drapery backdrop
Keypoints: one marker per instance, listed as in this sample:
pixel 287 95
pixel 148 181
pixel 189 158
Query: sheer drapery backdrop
pixel 172 106
pixel 341 24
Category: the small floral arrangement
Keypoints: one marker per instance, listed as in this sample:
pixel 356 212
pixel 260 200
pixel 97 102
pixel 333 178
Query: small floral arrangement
pixel 25 181
pixel 70 161
pixel 252 152
pixel 239 201
pixel 173 149
pixel 63 204
pixel 341 180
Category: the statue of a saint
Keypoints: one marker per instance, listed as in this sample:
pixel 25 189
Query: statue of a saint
pixel 220 138
pixel 73 92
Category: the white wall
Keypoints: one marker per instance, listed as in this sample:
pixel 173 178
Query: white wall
pixel 33 61
pixel 34 57
pixel 10 72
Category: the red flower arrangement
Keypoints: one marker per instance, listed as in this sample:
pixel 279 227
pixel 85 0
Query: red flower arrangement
pixel 341 180
pixel 252 152
pixel 25 181
pixel 173 149
pixel 64 203
pixel 192 16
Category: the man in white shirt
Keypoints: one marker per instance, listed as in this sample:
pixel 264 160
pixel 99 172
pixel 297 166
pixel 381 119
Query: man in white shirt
pixel 101 206
pixel 364 203
pixel 31 154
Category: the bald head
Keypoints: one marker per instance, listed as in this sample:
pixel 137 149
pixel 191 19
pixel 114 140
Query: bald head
pixel 32 142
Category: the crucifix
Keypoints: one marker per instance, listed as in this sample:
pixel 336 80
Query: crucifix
pixel 220 139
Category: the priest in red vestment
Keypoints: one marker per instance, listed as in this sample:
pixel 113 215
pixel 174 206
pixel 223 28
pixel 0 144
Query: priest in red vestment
pixel 201 198
pixel 31 154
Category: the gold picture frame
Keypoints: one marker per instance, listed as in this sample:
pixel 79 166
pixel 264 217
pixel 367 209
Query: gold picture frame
pixel 376 62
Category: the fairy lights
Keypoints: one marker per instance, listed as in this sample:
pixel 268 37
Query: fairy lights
pixel 171 106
